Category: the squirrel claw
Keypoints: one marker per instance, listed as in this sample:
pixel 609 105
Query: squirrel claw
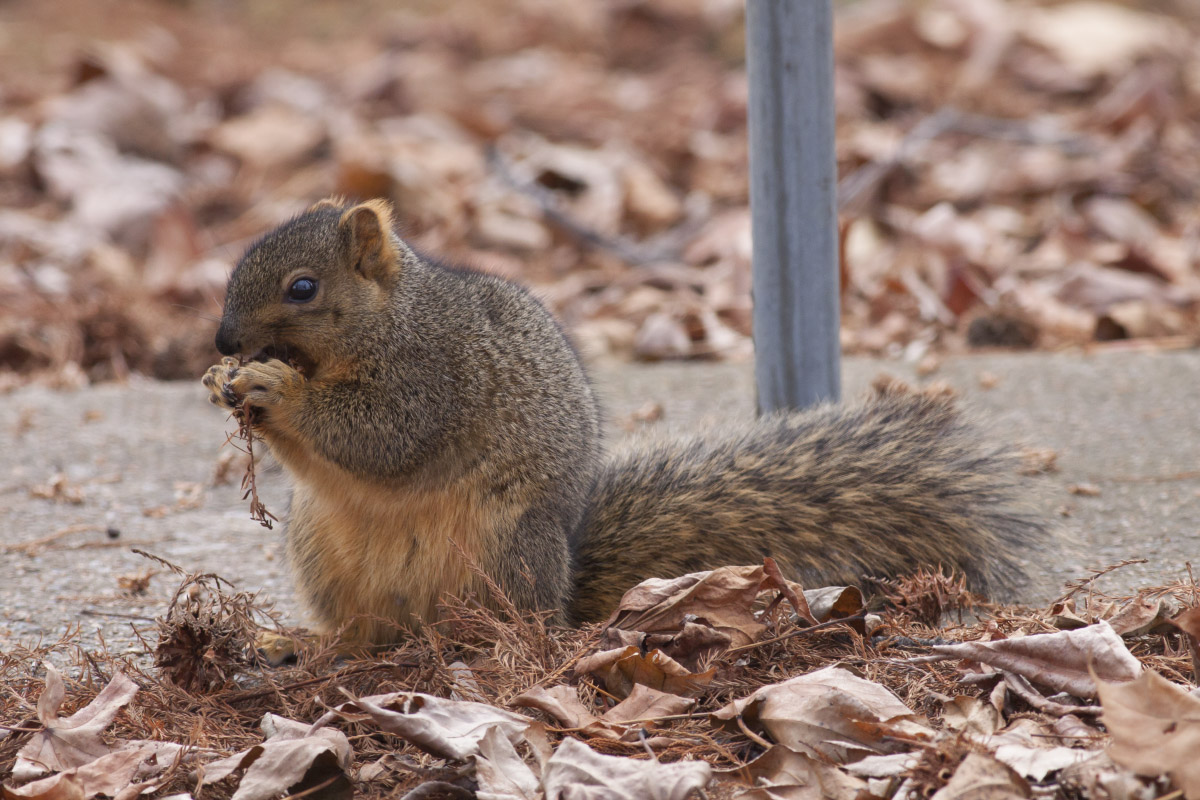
pixel 218 380
pixel 228 397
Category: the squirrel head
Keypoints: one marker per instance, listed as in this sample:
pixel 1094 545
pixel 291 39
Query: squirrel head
pixel 295 291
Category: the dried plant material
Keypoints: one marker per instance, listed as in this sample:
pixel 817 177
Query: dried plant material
pixel 1155 727
pixel 1100 777
pixel 562 704
pixel 188 495
pixel 126 772
pixel 1026 746
pixel 830 713
pixel 971 715
pixel 59 489
pixel 724 599
pixel 834 602
pixel 1084 489
pixel 1139 616
pixel 72 747
pixel 1077 32
pixel 207 634
pixel 623 668
pixel 645 704
pixel 69 742
pixel 980 776
pixel 275 136
pixel 295 757
pixel 1189 622
pixel 495 658
pixel 575 771
pixel 623 721
pixel 33 546
pixel 245 432
pixel 135 583
pixel 893 765
pixel 445 728
pixel 501 772
pixel 927 596
pixel 781 773
pixel 1064 661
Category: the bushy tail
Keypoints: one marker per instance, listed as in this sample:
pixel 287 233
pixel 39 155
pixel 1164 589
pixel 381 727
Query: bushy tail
pixel 881 487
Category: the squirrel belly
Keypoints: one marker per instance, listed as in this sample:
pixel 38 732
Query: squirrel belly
pixel 429 417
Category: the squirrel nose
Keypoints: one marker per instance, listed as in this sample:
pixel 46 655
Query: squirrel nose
pixel 227 345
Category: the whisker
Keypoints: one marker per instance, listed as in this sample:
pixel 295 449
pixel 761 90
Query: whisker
pixel 197 312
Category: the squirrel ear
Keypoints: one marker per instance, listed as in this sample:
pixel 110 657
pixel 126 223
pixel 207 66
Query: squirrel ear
pixel 336 201
pixel 368 227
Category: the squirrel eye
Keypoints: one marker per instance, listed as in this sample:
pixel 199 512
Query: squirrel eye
pixel 302 290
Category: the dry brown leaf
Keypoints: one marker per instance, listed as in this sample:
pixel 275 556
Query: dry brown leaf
pixel 783 774
pixel 1095 38
pixel 1189 622
pixel 694 641
pixel 830 713
pixel 64 786
pixel 723 598
pixel 981 777
pixel 892 765
pixel 69 742
pixel 576 772
pixel 445 728
pixel 645 703
pixel 1063 661
pixel 274 136
pixel 972 715
pixel 122 774
pixel 1138 616
pixel 1155 727
pixel 1025 746
pixel 624 667
pixel 834 602
pixel 560 702
pixel 294 757
pixel 500 770
pixel 1102 779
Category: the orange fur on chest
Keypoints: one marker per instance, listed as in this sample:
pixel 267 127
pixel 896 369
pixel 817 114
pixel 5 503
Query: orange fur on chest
pixel 364 550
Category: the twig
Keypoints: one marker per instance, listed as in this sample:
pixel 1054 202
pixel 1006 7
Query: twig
pixel 857 189
pixel 242 696
pixel 1024 689
pixel 29 547
pixel 95 612
pixel 1077 586
pixel 800 632
pixel 245 432
pixel 665 246
pixel 751 735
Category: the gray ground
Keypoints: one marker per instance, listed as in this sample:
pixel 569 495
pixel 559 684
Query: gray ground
pixel 1125 424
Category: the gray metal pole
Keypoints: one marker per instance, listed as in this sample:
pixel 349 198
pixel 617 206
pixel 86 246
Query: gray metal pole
pixel 793 188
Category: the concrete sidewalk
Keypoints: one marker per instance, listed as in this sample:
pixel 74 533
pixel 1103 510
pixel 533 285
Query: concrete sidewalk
pixel 1125 424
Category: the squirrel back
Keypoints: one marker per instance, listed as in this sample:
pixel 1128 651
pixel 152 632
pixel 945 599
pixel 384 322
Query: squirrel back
pixel 430 416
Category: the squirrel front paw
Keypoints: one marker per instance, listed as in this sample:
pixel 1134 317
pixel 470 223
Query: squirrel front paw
pixel 261 384
pixel 219 382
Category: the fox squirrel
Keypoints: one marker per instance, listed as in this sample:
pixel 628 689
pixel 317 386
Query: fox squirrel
pixel 423 410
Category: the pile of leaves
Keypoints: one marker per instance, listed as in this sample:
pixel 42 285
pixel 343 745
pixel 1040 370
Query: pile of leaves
pixel 729 683
pixel 1012 174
